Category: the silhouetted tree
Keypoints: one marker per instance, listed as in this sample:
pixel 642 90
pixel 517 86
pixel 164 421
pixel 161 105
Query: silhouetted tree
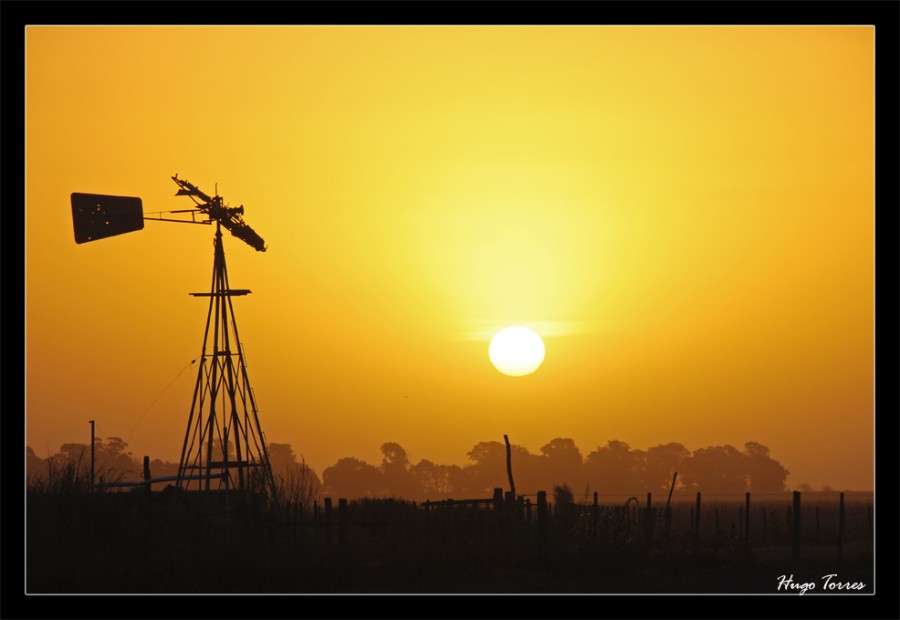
pixel 112 461
pixel 562 463
pixel 489 468
pixel 160 468
pixel 281 458
pixel 766 474
pixel 351 478
pixel 459 479
pixel 716 469
pixel 616 468
pixel 440 481
pixel 398 480
pixel 297 483
pixel 35 466
pixel 662 461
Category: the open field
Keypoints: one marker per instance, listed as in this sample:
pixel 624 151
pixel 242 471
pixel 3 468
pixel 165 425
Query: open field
pixel 164 542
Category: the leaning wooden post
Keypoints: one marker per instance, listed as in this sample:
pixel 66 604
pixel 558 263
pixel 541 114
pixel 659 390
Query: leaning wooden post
pixel 668 509
pixel 796 526
pixel 512 485
pixel 671 488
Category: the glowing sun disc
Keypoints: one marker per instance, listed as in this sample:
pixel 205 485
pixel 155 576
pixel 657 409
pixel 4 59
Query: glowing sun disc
pixel 516 351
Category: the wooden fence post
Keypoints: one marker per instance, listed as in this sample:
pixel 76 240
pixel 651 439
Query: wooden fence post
pixel 841 530
pixel 668 517
pixel 649 520
pixel 342 522
pixel 796 526
pixel 542 516
pixel 498 499
pixel 697 522
pixel 328 520
pixel 147 476
pixel 747 522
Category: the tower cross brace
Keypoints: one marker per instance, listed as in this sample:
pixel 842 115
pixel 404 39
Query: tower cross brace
pixel 224 446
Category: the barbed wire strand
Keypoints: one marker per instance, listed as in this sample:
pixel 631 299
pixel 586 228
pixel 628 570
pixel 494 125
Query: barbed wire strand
pixel 150 406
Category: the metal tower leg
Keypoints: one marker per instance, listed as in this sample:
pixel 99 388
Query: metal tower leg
pixel 224 446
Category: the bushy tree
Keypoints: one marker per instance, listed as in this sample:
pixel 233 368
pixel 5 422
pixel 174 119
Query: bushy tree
pixel 616 469
pixel 716 469
pixel 662 462
pixel 398 479
pixel 353 478
pixel 562 464
pixel 297 483
pixel 766 475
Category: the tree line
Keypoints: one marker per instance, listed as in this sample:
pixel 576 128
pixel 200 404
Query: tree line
pixel 611 469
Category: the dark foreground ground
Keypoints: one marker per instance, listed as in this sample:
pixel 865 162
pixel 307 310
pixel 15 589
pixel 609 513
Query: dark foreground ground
pixel 133 543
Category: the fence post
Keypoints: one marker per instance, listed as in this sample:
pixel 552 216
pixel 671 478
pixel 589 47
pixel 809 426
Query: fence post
pixel 342 522
pixel 147 475
pixel 328 520
pixel 697 522
pixel 498 499
pixel 649 520
pixel 796 526
pixel 668 524
pixel 542 517
pixel 747 522
pixel 841 530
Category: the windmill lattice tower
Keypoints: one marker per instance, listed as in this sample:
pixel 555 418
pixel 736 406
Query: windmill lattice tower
pixel 224 446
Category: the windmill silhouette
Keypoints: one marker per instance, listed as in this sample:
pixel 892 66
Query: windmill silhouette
pixel 224 447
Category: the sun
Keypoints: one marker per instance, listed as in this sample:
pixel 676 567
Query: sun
pixel 516 351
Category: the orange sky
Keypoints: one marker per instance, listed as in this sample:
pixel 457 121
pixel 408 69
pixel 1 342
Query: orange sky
pixel 686 215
